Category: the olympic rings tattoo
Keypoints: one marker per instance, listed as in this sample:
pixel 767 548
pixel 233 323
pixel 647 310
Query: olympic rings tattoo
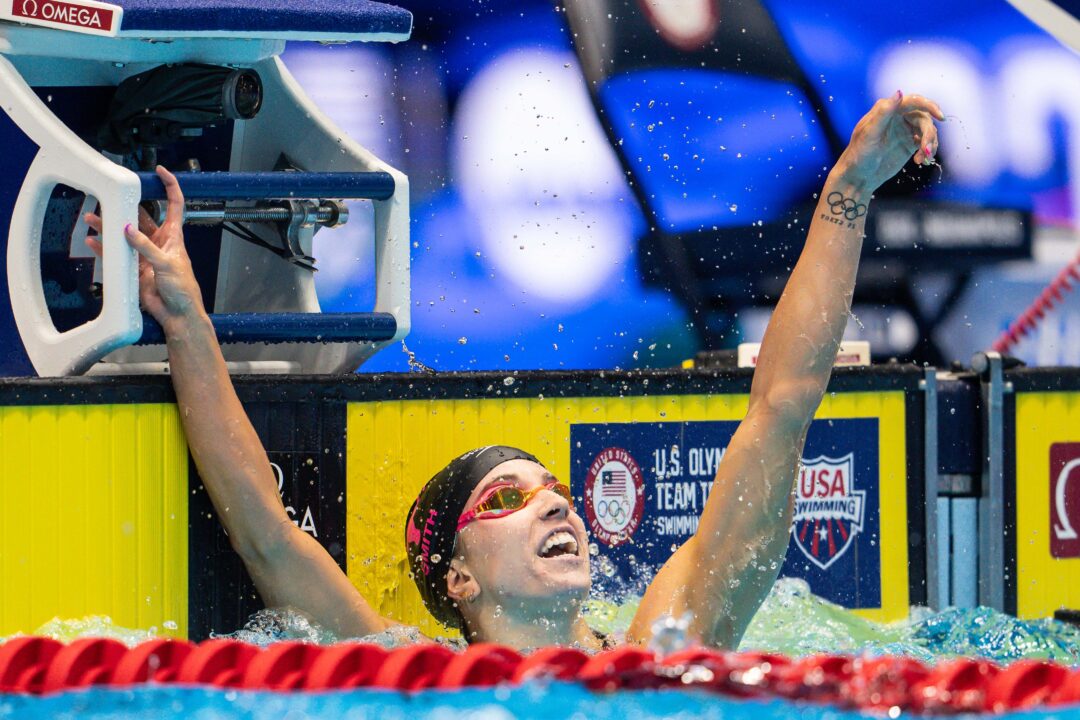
pixel 840 205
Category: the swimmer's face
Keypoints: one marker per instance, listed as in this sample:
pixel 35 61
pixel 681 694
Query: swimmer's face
pixel 537 553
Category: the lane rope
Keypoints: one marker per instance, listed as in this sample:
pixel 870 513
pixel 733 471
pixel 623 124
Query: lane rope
pixel 1051 296
pixel 38 665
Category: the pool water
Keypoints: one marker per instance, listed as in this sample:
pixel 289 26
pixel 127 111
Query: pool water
pixel 795 622
pixel 792 621
pixel 529 701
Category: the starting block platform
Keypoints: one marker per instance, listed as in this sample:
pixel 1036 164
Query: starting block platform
pixel 96 94
pixel 342 20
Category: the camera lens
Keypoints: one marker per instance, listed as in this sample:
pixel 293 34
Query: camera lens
pixel 241 95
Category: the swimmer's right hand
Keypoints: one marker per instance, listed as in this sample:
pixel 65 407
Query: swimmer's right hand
pixel 167 286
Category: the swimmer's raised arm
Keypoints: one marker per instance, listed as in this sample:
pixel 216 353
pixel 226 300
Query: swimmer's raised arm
pixel 289 567
pixel 723 573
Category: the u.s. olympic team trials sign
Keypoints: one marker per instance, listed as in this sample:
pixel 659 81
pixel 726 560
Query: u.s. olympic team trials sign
pixel 641 488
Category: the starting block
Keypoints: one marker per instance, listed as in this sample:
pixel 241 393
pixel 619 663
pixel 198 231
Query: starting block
pixel 95 94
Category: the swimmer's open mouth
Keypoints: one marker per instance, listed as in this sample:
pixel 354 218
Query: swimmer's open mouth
pixel 560 543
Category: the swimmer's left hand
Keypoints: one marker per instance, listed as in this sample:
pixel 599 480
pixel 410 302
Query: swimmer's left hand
pixel 895 130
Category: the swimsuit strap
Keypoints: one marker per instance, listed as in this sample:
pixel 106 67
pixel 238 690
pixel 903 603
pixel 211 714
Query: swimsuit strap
pixel 607 642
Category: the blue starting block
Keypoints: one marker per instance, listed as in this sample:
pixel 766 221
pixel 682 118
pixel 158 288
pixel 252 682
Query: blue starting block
pixel 95 94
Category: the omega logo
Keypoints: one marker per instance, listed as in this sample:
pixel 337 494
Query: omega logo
pixel 1065 499
pixel 307 520
pixel 67 13
pixel 1065 530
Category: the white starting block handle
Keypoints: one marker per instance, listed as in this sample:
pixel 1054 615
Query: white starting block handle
pixel 65 159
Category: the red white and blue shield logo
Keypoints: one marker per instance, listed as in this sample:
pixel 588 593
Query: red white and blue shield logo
pixel 828 509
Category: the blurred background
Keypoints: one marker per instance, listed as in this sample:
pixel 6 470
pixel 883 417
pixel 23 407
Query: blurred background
pixel 622 183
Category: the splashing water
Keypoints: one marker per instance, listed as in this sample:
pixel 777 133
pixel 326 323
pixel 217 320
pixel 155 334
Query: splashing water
pixel 67 631
pixel 796 622
pixel 414 364
pixel 792 621
pixel 671 634
pixel 280 624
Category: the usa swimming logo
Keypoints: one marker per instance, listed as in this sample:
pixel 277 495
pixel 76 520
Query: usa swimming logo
pixel 828 509
pixel 614 496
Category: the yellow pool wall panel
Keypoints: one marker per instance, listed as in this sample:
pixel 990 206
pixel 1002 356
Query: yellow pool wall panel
pixel 1043 583
pixel 393 447
pixel 93 516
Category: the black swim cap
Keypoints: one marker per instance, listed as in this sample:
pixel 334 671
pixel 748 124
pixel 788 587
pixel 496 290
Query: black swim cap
pixel 431 526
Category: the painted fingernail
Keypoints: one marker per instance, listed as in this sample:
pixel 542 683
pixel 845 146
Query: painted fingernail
pixel 926 152
pixel 127 229
pixel 899 95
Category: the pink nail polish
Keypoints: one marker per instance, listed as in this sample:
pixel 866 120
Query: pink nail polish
pixel 127 229
pixel 926 151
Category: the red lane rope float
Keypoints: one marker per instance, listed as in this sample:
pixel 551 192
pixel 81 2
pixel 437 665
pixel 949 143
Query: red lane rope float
pixel 1025 684
pixel 220 663
pixel 24 662
pixel 628 666
pixel 818 677
pixel 1053 294
pixel 552 663
pixel 282 666
pixel 884 682
pixel 89 661
pixel 414 667
pixel 955 686
pixel 1069 691
pixel 344 666
pixel 152 661
pixel 753 674
pixel 31 665
pixel 481 665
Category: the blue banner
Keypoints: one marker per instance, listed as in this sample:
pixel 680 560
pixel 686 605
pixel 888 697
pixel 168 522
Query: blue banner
pixel 641 488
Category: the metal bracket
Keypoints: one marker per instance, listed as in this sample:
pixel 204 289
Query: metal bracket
pixel 992 516
pixel 304 216
pixel 930 472
pixel 290 216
